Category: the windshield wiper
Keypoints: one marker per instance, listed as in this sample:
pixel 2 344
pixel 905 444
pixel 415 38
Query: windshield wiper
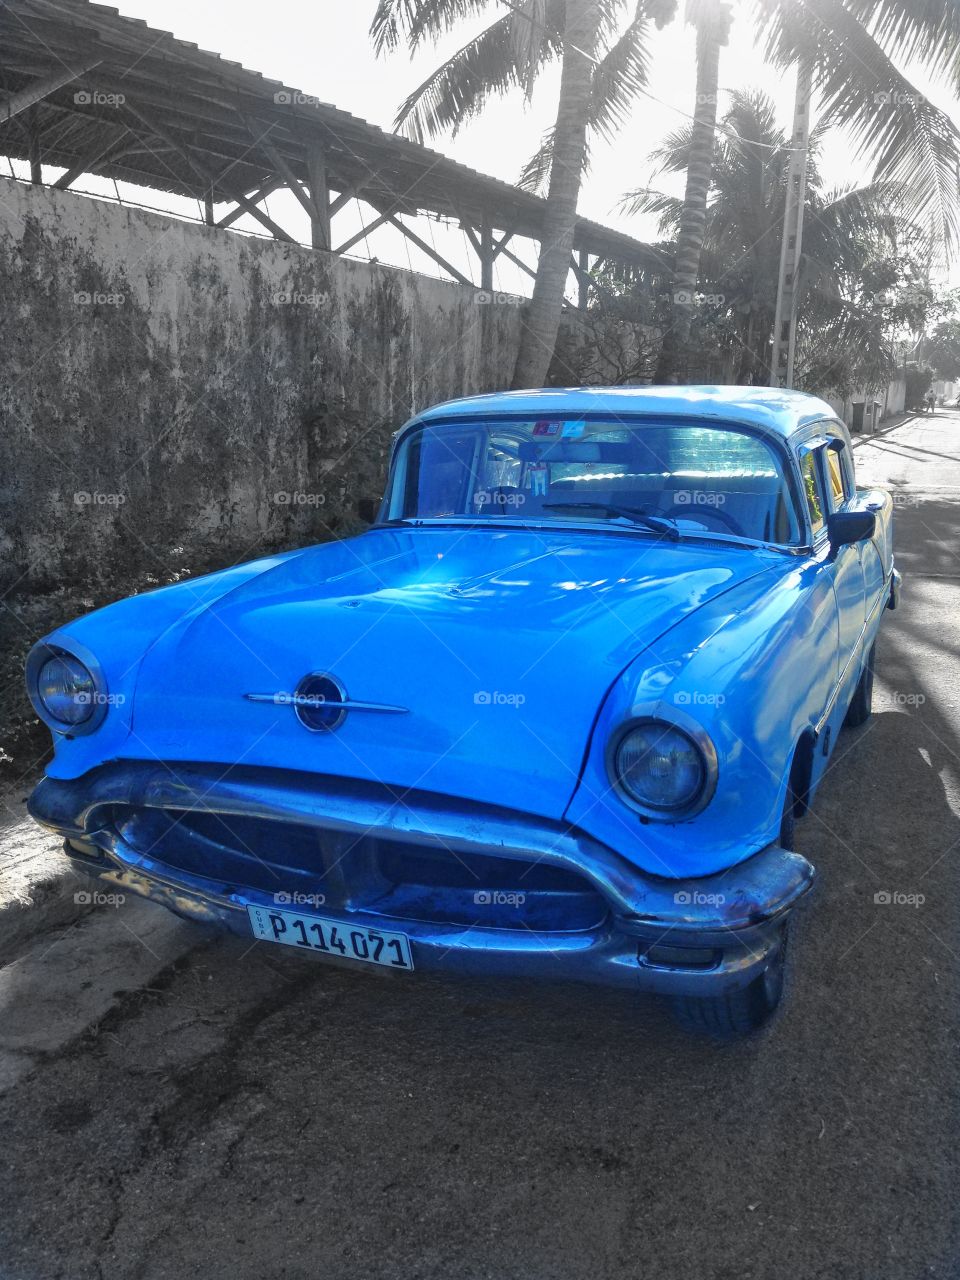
pixel 658 524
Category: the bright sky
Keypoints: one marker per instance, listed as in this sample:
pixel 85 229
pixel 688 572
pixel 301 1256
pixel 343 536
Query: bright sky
pixel 323 48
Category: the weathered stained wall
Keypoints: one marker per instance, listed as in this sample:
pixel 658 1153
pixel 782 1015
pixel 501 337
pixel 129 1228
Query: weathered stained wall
pixel 165 386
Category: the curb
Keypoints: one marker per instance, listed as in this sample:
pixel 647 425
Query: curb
pixel 38 886
pixel 903 421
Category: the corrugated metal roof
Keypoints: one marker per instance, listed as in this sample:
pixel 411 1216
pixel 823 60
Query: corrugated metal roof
pixel 200 115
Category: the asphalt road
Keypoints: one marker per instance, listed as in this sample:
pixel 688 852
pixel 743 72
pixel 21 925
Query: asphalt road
pixel 241 1111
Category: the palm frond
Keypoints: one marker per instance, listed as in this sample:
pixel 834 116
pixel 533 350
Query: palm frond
pixel 528 29
pixel 914 145
pixel 621 73
pixel 410 22
pixel 535 173
pixel 926 31
pixel 646 200
pixel 460 87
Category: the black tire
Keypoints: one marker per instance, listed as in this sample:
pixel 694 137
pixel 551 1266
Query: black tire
pixel 740 1013
pixel 788 823
pixel 861 705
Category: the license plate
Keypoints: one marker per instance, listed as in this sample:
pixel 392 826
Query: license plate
pixel 330 937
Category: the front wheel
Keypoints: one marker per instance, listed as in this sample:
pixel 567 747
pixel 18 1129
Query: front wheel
pixel 739 1012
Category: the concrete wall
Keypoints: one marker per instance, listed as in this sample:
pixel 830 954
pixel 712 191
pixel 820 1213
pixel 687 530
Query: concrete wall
pixel 890 399
pixel 175 397
pixel 896 397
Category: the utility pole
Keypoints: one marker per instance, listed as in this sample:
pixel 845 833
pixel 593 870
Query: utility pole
pixel 785 322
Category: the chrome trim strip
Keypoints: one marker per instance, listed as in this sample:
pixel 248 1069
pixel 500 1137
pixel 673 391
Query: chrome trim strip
pixel 282 699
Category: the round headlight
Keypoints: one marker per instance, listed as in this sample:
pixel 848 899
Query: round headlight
pixel 66 689
pixel 660 767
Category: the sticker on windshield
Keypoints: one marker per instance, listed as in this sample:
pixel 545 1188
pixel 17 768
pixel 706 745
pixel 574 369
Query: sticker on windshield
pixel 538 477
pixel 547 428
pixel 573 430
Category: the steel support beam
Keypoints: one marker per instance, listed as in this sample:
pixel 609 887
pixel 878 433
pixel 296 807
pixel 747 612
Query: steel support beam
pixel 517 262
pixel 34 93
pixel 289 177
pixel 33 146
pixel 207 179
pixel 319 197
pixel 89 162
pixel 486 256
pixel 430 251
pixel 255 197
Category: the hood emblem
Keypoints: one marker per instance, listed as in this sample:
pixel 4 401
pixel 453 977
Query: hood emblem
pixel 320 702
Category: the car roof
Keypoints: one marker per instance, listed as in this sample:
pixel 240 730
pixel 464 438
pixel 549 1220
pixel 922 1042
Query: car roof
pixel 774 409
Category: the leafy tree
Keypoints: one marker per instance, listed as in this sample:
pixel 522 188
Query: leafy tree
pixel 942 349
pixel 919 379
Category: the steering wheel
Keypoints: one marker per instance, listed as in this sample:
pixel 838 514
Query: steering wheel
pixel 705 513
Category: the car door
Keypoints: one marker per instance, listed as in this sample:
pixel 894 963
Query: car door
pixel 829 488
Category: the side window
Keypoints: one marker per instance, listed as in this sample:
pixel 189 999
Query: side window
pixel 836 473
pixel 813 490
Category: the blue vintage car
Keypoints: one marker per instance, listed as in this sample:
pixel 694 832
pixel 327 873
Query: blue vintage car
pixel 554 714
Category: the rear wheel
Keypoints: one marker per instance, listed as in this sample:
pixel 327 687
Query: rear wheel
pixel 861 705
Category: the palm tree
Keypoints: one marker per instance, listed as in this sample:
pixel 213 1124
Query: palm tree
pixel 711 18
pixel 848 44
pixel 602 69
pixel 861 271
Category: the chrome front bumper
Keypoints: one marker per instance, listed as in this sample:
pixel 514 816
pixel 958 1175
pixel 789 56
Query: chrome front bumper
pixel 733 918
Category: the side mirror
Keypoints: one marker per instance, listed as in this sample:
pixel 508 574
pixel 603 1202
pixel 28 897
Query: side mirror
pixel 845 527
pixel 367 509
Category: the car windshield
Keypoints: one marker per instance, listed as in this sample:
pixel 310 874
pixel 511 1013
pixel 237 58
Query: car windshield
pixel 688 478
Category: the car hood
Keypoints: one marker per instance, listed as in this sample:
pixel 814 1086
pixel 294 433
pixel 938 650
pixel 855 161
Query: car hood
pixel 500 645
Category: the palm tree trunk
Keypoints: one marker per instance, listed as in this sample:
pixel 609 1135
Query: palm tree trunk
pixel 541 319
pixel 712 27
